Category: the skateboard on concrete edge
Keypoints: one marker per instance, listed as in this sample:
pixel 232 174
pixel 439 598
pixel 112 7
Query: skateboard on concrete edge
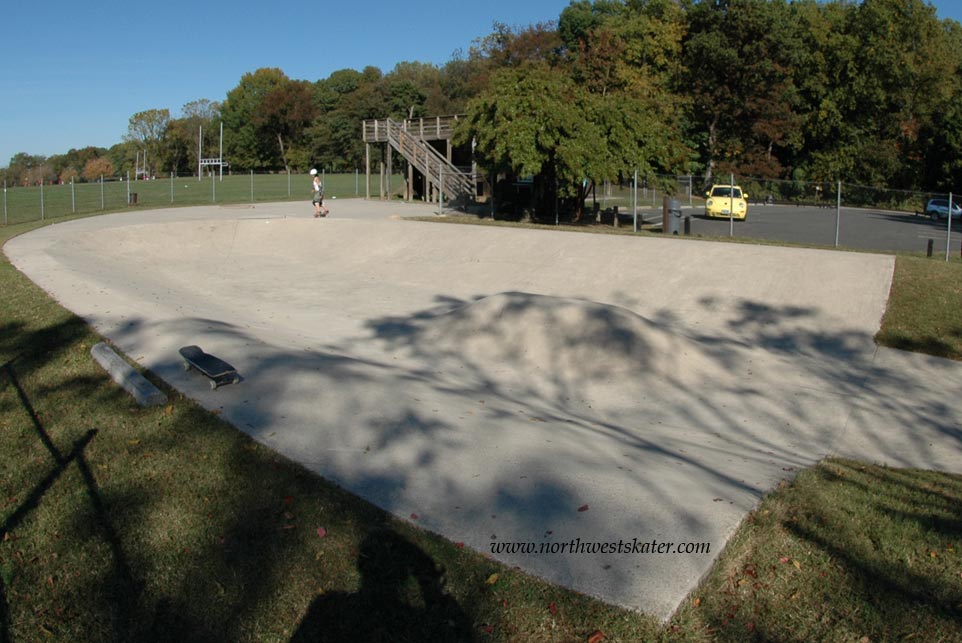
pixel 217 370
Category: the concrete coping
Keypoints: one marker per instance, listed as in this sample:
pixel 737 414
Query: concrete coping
pixel 124 374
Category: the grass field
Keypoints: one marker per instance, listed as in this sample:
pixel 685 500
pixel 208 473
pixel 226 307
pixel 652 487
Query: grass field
pixel 56 201
pixel 125 524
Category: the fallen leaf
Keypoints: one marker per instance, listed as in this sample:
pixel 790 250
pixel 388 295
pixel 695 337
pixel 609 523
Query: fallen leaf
pixel 487 629
pixel 583 508
pixel 552 608
pixel 797 564
pixel 321 532
pixel 459 545
pixel 697 602
pixel 414 516
pixel 133 442
pixel 783 560
pixel 597 637
pixel 492 579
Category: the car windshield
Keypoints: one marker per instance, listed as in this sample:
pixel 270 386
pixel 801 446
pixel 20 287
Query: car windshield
pixel 726 191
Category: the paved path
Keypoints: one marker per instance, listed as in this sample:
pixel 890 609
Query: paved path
pixel 518 385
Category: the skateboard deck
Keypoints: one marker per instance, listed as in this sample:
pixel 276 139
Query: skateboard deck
pixel 217 370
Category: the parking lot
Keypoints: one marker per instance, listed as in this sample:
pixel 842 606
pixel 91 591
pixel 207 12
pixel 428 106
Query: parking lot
pixel 858 228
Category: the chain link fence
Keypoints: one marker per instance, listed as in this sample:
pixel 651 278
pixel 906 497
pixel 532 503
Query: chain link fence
pixel 111 194
pixel 814 213
pixel 798 212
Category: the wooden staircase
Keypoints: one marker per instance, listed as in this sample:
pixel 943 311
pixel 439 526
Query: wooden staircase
pixel 411 137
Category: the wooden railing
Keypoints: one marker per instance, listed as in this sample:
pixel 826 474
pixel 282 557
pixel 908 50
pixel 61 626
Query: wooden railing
pixel 436 128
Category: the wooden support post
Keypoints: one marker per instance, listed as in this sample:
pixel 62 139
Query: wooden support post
pixel 367 171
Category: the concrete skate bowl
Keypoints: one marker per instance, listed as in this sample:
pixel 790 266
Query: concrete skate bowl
pixel 495 381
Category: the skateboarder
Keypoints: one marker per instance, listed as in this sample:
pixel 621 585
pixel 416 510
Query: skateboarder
pixel 318 199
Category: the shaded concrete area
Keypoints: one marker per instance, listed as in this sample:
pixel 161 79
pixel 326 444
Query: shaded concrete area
pixel 518 385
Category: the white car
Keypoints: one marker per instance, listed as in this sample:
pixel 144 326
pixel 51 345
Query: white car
pixel 939 209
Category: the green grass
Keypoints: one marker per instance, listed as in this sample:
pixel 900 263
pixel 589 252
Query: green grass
pixel 57 201
pixel 119 523
pixel 925 308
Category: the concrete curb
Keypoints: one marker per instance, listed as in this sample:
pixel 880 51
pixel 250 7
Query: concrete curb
pixel 123 373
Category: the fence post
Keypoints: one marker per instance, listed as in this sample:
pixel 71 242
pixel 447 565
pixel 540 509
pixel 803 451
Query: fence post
pixel 288 183
pixel 689 190
pixel 213 187
pixel 838 211
pixel 731 205
pixel 948 236
pixel 128 187
pixel 4 202
pixel 252 186
pixel 171 186
pixel 634 200
pixel 101 191
pixel 41 199
pixel 73 198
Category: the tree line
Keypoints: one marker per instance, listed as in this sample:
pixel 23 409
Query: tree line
pixel 865 92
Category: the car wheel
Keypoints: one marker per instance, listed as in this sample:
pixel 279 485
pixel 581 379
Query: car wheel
pixel 934 215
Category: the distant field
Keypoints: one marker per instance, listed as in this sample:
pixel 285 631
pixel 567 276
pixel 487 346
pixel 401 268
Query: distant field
pixel 32 203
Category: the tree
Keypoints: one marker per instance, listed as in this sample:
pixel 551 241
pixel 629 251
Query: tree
pixel 147 129
pixel 247 145
pixel 538 122
pixel 284 113
pixel 96 168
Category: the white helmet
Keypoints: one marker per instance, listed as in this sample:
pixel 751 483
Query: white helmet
pixel 313 172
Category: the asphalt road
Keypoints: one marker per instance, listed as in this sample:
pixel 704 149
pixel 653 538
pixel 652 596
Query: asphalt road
pixel 858 228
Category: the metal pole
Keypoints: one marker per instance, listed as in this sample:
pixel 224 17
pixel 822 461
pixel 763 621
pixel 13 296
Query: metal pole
pixel 252 186
pixel 128 187
pixel 41 194
pixel 101 191
pixel 220 159
pixel 171 186
pixel 689 190
pixel 4 202
pixel 213 187
pixel 634 200
pixel 357 191
pixel 838 212
pixel 948 236
pixel 731 205
pixel 200 151
pixel 73 198
pixel 288 183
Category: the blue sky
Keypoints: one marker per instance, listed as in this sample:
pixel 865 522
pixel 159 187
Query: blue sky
pixel 71 77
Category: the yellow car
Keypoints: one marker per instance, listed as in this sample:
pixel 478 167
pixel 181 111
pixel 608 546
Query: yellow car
pixel 719 202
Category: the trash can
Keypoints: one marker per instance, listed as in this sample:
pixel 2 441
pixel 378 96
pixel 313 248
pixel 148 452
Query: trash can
pixel 674 217
pixel 133 198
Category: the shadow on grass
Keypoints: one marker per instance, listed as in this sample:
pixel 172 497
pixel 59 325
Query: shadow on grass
pixel 914 514
pixel 402 598
pixel 927 345
pixel 127 589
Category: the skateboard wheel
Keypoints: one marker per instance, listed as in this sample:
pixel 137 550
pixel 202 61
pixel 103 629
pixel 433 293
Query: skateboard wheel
pixel 186 365
pixel 213 385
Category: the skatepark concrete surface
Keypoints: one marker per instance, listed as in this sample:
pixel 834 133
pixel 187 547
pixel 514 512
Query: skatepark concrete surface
pixel 517 385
